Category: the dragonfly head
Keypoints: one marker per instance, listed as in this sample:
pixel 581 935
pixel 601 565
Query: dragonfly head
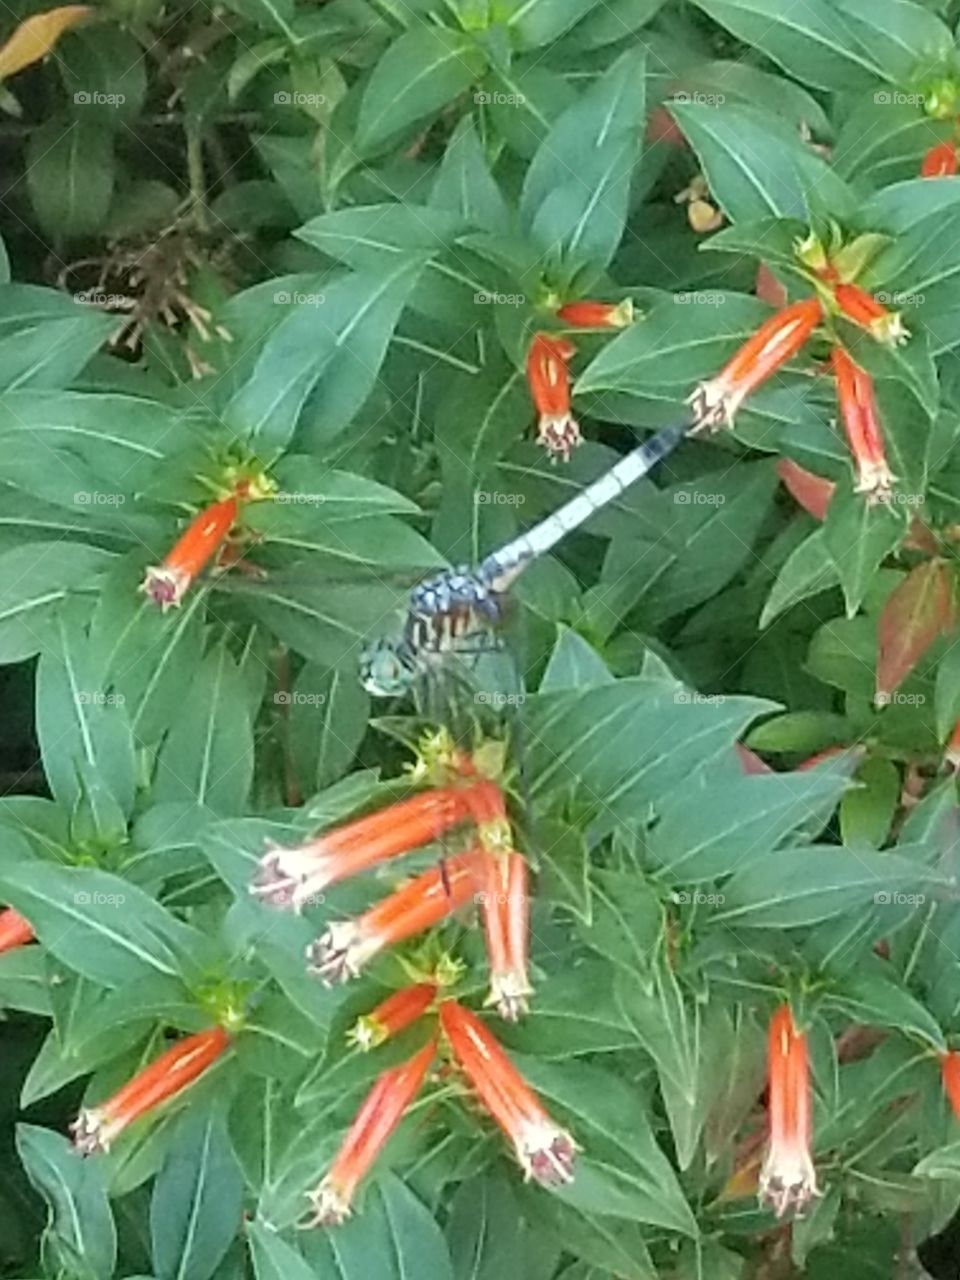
pixel 385 669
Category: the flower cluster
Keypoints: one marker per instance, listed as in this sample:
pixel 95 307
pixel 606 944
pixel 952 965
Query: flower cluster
pixel 490 871
pixel 543 1149
pixel 548 372
pixel 781 337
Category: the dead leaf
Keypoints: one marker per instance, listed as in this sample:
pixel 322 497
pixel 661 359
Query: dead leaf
pixel 36 36
pixel 919 610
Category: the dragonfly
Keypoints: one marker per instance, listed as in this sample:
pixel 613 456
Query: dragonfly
pixel 460 610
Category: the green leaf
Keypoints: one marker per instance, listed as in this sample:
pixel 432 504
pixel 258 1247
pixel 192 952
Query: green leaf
pixel 576 192
pixel 738 823
pixel 84 732
pixel 395 1238
pixel 195 1210
pixel 838 44
pixel 81 1229
pixel 538 22
pixel 35 580
pixel 757 166
pixel 805 886
pixel 620 1158
pixel 70 175
pixel 104 73
pixel 273 1258
pixel 466 187
pixel 808 570
pixel 622 747
pixel 857 537
pixel 707 530
pixel 99 924
pixel 418 76
pixel 328 719
pixel 484 1229
pixel 576 1013
pixel 327 351
pixel 669 1030
pixel 207 757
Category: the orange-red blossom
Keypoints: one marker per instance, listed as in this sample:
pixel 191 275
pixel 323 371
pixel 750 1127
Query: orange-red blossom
pixel 549 380
pixel 292 876
pixel 166 584
pixel 505 903
pixel 950 1074
pixel 97 1127
pixel 378 1117
pixel 779 338
pixel 940 161
pixel 597 315
pixel 864 310
pixel 861 420
pixel 788 1178
pixel 393 1015
pixel 545 1151
pixel 14 930
pixel 347 945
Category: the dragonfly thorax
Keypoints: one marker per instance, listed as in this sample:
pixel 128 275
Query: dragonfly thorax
pixel 449 608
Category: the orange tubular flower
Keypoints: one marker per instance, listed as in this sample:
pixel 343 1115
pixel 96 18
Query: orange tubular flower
pixel 776 341
pixel 14 930
pixel 940 161
pixel 952 753
pixel 950 1074
pixel 788 1178
pixel 290 877
pixel 861 420
pixel 863 309
pixel 598 315
pixel 393 1015
pixel 381 1112
pixel 97 1127
pixel 549 380
pixel 167 583
pixel 545 1151
pixel 506 918
pixel 347 945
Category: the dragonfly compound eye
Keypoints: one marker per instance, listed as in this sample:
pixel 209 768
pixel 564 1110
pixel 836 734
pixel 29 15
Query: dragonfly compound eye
pixel 383 671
